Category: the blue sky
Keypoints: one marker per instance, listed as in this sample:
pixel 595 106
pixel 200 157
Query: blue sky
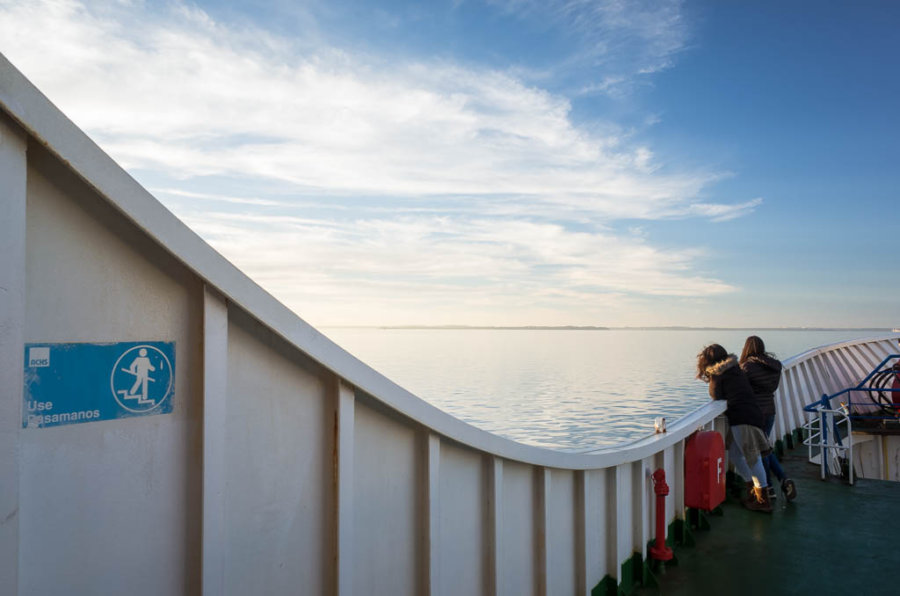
pixel 506 162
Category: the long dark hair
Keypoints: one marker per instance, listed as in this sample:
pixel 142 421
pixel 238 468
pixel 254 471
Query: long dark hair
pixel 711 354
pixel 754 346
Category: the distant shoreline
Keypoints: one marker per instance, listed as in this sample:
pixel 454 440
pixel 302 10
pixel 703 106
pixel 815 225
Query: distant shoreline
pixel 597 328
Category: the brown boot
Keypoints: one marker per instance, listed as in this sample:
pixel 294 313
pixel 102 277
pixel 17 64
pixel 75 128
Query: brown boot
pixel 760 501
pixel 748 495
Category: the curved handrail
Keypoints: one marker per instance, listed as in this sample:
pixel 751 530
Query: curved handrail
pixel 23 102
pixel 812 352
pixel 678 430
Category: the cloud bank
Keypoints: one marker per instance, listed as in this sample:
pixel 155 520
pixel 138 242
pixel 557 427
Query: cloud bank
pixel 329 176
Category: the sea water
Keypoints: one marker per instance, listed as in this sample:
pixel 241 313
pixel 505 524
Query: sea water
pixel 561 389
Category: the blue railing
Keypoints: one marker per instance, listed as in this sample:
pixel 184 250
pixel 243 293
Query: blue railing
pixel 880 374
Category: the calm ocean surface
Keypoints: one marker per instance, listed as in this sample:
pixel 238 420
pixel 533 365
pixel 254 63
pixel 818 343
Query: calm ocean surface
pixel 559 389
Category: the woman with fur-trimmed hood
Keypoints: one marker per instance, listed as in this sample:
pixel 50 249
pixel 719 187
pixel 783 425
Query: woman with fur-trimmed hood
pixel 747 444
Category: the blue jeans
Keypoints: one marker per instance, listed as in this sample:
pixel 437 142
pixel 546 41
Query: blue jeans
pixel 755 471
pixel 770 462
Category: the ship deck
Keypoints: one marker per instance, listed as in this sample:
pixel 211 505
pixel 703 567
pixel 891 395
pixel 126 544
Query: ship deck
pixel 833 539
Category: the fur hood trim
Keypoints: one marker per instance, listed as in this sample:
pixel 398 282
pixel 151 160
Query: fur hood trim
pixel 719 367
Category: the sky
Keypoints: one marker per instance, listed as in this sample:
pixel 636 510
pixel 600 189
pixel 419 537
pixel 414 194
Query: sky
pixel 506 162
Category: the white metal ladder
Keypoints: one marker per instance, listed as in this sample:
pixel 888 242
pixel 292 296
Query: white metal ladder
pixel 823 431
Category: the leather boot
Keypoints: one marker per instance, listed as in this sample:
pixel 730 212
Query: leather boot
pixel 760 501
pixel 747 495
pixel 789 489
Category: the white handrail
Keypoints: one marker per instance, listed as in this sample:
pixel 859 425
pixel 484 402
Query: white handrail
pixel 37 115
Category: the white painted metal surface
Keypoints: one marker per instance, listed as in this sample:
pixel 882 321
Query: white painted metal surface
pixel 876 456
pixel 287 466
pixel 825 371
pixel 215 419
pixel 12 334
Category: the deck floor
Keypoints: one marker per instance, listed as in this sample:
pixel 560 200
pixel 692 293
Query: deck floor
pixel 833 539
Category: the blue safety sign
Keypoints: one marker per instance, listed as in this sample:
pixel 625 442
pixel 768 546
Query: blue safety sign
pixel 82 382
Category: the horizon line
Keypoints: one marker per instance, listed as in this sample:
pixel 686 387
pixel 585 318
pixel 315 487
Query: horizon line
pixel 601 328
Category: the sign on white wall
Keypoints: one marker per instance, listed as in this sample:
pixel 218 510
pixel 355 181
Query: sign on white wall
pixel 83 382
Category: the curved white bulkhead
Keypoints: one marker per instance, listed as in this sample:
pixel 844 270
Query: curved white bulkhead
pixel 286 466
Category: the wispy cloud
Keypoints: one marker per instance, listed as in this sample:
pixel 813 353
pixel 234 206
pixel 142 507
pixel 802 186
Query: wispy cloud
pixel 467 185
pixel 178 92
pixel 724 212
pixel 219 198
pixel 445 270
pixel 616 42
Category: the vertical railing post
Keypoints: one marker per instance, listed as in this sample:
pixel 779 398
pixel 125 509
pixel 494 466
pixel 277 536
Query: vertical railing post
pixel 494 526
pixel 215 389
pixel 792 416
pixel 581 532
pixel 641 498
pixel 823 437
pixel 678 473
pixel 343 463
pixel 542 525
pixel 432 513
pixel 619 509
pixel 13 174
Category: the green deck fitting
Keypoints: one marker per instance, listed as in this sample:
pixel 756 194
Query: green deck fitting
pixel 675 533
pixel 606 587
pixel 652 570
pixel 635 572
pixel 833 539
pixel 789 440
pixel 699 520
pixel 683 533
pixel 627 573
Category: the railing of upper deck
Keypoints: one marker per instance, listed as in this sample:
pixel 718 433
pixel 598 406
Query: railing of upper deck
pixel 826 370
pixel 824 430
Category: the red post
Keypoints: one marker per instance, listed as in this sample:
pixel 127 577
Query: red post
pixel 660 551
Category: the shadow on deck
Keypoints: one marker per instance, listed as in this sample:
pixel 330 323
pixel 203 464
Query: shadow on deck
pixel 833 539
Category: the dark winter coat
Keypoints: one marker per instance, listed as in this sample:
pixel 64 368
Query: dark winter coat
pixel 727 381
pixel 764 374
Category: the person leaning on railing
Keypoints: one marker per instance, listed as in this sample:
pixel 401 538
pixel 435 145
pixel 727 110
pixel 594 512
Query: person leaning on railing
pixel 764 373
pixel 747 444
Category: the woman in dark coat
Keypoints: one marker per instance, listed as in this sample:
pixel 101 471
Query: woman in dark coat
pixel 747 443
pixel 764 373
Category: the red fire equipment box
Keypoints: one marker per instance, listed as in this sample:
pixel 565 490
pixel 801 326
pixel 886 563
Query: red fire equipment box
pixel 704 470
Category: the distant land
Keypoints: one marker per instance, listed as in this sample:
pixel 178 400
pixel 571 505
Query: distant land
pixel 598 328
pixel 682 328
pixel 493 328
